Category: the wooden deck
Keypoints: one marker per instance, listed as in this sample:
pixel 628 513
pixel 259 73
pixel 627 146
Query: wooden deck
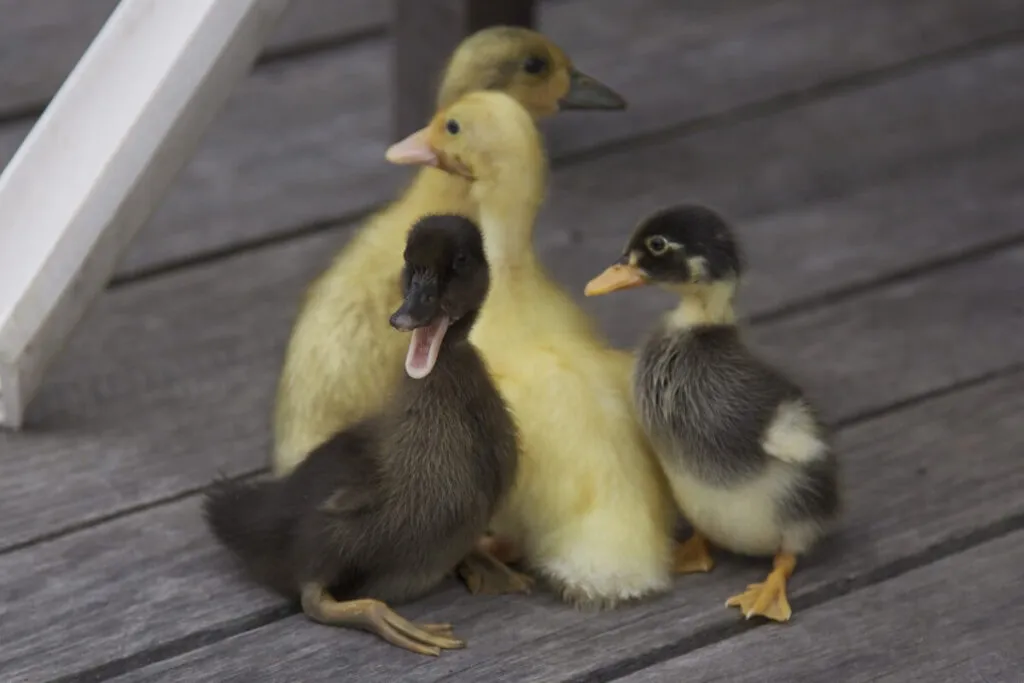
pixel 871 153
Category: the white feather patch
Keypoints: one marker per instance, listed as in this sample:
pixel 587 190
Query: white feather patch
pixel 793 435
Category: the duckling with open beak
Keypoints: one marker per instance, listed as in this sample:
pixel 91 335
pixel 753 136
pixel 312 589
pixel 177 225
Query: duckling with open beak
pixel 744 451
pixel 384 510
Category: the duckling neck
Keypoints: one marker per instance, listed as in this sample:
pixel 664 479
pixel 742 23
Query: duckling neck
pixel 459 331
pixel 432 187
pixel 508 211
pixel 704 305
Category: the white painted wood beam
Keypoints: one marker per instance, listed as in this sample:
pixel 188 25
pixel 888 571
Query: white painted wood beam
pixel 99 160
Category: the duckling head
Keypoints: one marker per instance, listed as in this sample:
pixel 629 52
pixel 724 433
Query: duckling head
pixel 527 66
pixel 444 283
pixel 687 248
pixel 485 136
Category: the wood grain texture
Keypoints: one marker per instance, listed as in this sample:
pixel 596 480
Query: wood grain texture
pixel 951 465
pixel 959 620
pixel 189 362
pixel 42 40
pixel 302 142
pixel 138 441
pixel 424 34
pixel 114 590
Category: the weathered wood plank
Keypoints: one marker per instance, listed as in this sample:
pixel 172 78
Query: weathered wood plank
pixel 295 147
pixel 197 353
pixel 171 380
pixel 931 492
pixel 424 34
pixel 959 620
pixel 799 250
pixel 114 590
pixel 42 40
pixel 138 444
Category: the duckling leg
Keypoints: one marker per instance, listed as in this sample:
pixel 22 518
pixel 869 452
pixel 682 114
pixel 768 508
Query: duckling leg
pixel 503 549
pixel 486 574
pixel 376 617
pixel 693 556
pixel 768 599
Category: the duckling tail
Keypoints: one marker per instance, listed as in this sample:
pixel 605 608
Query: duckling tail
pixel 249 520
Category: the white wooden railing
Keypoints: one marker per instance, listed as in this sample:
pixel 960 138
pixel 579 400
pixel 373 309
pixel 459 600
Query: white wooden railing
pixel 100 159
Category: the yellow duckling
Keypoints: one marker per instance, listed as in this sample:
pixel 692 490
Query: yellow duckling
pixel 590 509
pixel 340 365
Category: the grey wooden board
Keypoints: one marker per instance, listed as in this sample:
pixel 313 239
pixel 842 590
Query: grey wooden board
pixel 951 465
pixel 43 39
pixel 302 142
pixel 188 362
pixel 146 444
pixel 113 590
pixel 959 620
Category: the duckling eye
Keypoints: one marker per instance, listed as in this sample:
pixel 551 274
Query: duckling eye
pixel 534 65
pixel 657 245
pixel 452 126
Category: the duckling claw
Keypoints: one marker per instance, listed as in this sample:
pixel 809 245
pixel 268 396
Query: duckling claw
pixel 376 617
pixel 768 599
pixel 484 574
pixel 763 599
pixel 692 556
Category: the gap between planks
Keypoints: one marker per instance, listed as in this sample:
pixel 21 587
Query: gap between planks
pixel 855 216
pixel 288 47
pixel 771 315
pixel 821 594
pixel 196 218
pixel 777 104
pixel 937 622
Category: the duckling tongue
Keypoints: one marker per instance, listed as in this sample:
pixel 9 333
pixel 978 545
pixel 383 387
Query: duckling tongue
pixel 424 347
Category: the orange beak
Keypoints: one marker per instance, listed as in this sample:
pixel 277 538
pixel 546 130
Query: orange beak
pixel 614 278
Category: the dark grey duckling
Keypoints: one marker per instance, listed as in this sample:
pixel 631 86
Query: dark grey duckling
pixel 747 457
pixel 383 511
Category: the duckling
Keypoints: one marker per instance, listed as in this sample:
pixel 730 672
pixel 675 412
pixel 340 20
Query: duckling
pixel 745 453
pixel 590 510
pixel 341 361
pixel 385 509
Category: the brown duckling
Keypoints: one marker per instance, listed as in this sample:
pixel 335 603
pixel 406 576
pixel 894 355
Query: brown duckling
pixel 384 510
pixel 341 362
pixel 743 449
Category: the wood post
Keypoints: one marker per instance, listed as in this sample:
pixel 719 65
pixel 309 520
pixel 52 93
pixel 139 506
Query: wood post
pixel 425 32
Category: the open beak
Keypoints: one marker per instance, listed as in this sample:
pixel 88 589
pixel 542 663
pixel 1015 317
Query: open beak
pixel 588 93
pixel 614 278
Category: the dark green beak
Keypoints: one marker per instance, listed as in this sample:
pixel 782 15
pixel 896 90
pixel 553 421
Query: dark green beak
pixel 587 93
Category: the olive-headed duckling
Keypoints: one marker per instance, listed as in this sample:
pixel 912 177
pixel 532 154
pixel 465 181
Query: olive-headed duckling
pixel 744 451
pixel 384 510
pixel 340 363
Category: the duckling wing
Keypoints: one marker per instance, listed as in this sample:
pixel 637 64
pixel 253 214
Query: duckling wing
pixel 709 393
pixel 340 478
